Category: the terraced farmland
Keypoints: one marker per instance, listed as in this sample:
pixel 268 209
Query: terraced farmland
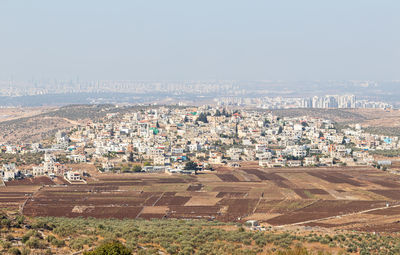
pixel 350 198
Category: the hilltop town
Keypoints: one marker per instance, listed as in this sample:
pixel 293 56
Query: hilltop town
pixel 190 139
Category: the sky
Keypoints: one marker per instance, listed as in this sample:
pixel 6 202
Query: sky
pixel 200 40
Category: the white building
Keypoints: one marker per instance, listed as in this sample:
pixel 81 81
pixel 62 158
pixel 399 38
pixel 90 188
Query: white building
pixel 73 176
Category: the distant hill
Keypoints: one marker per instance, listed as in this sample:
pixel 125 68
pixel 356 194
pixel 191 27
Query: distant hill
pixel 44 125
pixel 337 115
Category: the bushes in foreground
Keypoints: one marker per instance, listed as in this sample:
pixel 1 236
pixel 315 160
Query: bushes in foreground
pixel 52 235
pixel 110 248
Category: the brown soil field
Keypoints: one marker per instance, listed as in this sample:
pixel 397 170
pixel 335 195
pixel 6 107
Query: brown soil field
pixel 171 199
pixel 31 181
pixel 154 210
pixel 281 206
pixel 388 211
pixel 264 176
pixel 323 209
pixel 309 193
pixel 199 201
pixel 149 216
pixel 391 194
pixel 385 183
pixel 232 194
pixel 335 177
pixel 393 227
pixel 228 178
pixel 328 197
pixel 194 187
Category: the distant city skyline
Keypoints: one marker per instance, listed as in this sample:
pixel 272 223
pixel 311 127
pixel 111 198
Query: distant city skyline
pixel 260 94
pixel 204 40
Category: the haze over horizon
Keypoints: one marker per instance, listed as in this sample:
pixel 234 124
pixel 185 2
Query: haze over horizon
pixel 179 40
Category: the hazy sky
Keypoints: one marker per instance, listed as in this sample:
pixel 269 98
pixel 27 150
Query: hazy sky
pixel 203 39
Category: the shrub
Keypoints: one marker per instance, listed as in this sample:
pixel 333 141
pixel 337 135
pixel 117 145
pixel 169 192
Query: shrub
pixel 25 251
pixel 58 243
pixel 110 248
pixel 41 224
pixel 30 233
pixel 5 223
pixel 6 245
pixel 77 244
pixel 14 251
pixel 35 243
pixel 296 251
pixel 20 219
pixel 48 252
pixel 50 238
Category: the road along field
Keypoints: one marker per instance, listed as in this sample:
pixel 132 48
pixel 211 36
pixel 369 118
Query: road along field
pixel 347 198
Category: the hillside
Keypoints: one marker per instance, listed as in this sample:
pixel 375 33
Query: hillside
pixel 338 115
pixel 39 125
pixel 75 236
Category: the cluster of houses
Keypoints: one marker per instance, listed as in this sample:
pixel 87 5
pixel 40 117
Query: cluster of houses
pixel 165 138
pixel 49 167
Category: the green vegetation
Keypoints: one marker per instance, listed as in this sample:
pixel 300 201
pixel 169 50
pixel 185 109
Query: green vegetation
pixel 202 117
pixel 386 153
pixel 78 112
pixel 110 248
pixel 92 112
pixel 190 165
pixel 21 159
pixel 380 130
pixel 110 236
pixel 308 194
pixel 339 115
pixel 129 167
